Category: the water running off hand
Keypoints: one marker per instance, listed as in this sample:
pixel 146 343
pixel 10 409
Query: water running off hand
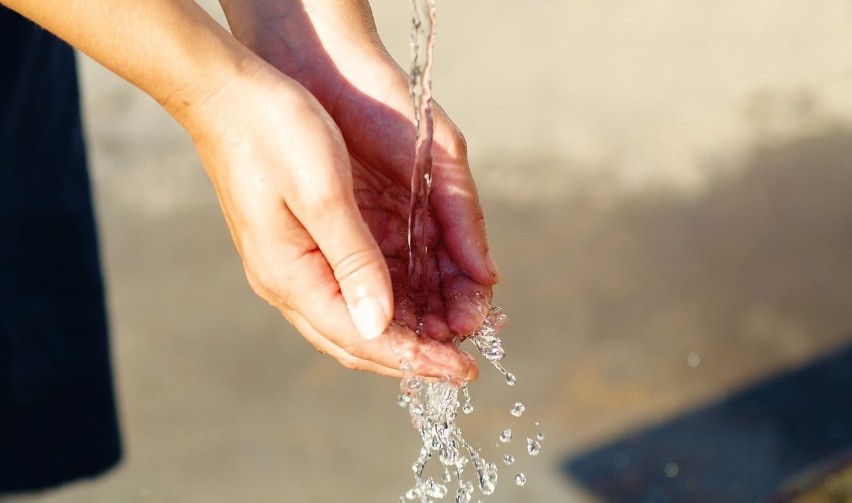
pixel 433 405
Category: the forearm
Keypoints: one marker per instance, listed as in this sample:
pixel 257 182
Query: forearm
pixel 251 19
pixel 296 36
pixel 170 49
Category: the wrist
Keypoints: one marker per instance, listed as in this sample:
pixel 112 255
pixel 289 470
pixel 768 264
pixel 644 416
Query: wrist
pixel 186 101
pixel 307 40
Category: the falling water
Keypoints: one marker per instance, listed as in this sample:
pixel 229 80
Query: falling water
pixel 420 87
pixel 433 405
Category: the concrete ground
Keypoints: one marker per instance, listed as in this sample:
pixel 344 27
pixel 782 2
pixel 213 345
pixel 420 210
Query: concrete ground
pixel 668 189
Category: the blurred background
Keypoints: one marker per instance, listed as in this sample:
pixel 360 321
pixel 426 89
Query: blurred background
pixel 668 190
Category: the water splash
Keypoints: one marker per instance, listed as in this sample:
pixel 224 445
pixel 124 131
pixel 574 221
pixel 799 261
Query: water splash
pixel 489 344
pixel 433 404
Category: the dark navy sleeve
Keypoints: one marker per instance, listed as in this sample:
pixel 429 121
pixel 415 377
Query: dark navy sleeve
pixel 57 409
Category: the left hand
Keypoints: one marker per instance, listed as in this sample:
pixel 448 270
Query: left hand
pixel 332 48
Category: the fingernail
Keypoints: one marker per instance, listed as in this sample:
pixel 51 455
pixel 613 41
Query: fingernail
pixel 491 266
pixel 369 317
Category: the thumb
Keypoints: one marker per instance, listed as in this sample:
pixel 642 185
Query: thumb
pixel 328 211
pixel 363 276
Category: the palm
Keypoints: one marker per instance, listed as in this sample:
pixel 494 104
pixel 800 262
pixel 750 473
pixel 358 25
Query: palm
pixel 380 139
pixel 455 303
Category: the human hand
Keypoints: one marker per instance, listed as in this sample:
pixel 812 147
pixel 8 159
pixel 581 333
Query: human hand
pixel 281 171
pixel 332 48
pixel 291 196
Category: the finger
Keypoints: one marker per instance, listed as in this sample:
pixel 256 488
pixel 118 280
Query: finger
pixel 323 315
pixel 326 346
pixel 322 200
pixel 435 318
pixel 455 203
pixel 385 356
pixel 466 301
pixel 424 315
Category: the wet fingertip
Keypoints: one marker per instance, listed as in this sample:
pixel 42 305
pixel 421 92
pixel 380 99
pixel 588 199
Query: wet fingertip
pixel 436 328
pixel 468 313
pixel 467 369
pixel 472 367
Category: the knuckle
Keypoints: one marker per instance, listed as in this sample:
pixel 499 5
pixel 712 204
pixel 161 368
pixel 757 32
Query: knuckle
pixel 324 193
pixel 355 264
pixel 349 361
pixel 270 286
pixel 459 144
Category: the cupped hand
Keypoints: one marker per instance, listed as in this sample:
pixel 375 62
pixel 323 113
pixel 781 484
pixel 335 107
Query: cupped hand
pixel 332 48
pixel 293 198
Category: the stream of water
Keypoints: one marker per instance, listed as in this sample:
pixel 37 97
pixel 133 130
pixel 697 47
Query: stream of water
pixel 420 86
pixel 433 404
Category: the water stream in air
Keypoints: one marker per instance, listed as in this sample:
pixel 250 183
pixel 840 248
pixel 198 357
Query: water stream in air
pixel 434 405
pixel 420 87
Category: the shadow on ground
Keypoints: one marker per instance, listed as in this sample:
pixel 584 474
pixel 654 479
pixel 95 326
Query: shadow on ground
pixel 762 260
pixel 736 450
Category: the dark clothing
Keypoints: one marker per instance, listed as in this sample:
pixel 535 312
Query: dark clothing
pixel 57 411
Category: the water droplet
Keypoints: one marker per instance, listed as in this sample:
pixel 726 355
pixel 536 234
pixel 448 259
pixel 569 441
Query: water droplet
pixel 520 479
pixel 671 470
pixel 533 447
pixel 488 479
pixel 693 359
pixel 404 400
pixel 415 384
pixel 464 493
pixel 489 345
pixel 540 436
pixel 510 379
pixel 468 406
pixel 448 477
pixel 508 459
pixel 506 436
pixel 518 409
pixel 434 490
